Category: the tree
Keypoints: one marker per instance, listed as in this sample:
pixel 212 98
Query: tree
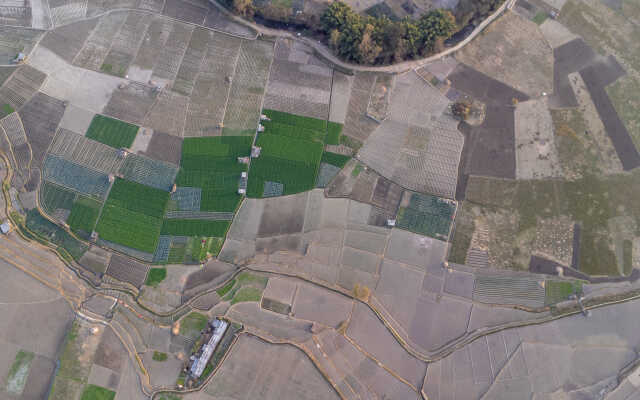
pixel 367 48
pixel 461 109
pixel 335 16
pixel 334 39
pixel 243 7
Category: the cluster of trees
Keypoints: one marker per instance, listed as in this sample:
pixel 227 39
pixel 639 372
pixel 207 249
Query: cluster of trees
pixel 379 40
pixel 475 11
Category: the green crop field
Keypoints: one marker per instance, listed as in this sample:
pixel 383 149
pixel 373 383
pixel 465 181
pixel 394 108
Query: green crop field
pixel 84 214
pixel 155 276
pixel 334 130
pixel 194 227
pixel 93 392
pixel 427 215
pixel 296 120
pixel 112 132
pixel 291 162
pixel 53 197
pixel 339 160
pixel 211 163
pixel 47 230
pixel 192 324
pixel 132 215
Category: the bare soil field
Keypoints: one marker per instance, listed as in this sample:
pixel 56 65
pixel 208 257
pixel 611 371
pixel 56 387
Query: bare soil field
pixel 127 270
pixel 514 51
pixel 21 86
pixel 40 118
pixel 265 368
pixel 164 147
pixel 67 41
pixel 315 304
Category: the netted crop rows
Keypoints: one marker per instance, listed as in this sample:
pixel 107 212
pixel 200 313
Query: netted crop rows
pixel 86 152
pixel 22 85
pixel 13 128
pixel 149 172
pixel 76 177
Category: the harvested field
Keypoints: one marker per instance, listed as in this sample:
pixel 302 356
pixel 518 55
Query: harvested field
pixel 67 41
pixel 217 20
pixel 21 86
pixel 514 51
pixel 536 154
pixel 265 375
pixel 340 94
pixel 211 91
pixel 170 55
pixel 365 329
pixel 40 118
pixel 398 289
pixel 420 251
pixel 132 103
pixel 74 176
pixel 168 113
pixel 97 45
pixel 498 289
pixel 356 123
pixel 96 259
pixel 125 44
pixel 316 304
pixel 12 126
pixel 112 132
pixel 247 88
pixel 298 84
pixel 88 153
pixel 76 119
pixel 146 171
pixel 190 65
pixel 127 270
pixel 185 11
pixel 164 147
pixel 14 40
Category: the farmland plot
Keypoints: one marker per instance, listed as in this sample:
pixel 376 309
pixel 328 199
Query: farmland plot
pixel 168 62
pixel 20 88
pixel 168 113
pixel 132 103
pixel 132 215
pixel 75 177
pixel 84 215
pixel 150 49
pixel 86 152
pixel 247 88
pixel 211 164
pixel 427 215
pixel 67 41
pixel 211 91
pixel 14 40
pixel 298 82
pixel 112 132
pixel 147 171
pixel 12 126
pixel 184 11
pixel 40 118
pixel 127 270
pixel 191 61
pixel 97 46
pixel 54 197
pixel 125 44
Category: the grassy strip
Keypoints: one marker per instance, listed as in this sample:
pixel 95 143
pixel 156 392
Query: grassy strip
pixel 112 132
pixel 557 291
pixel 226 288
pixel 94 392
pixel 192 324
pixel 19 372
pixel 296 120
pixel 248 293
pixel 155 276
pixel 627 256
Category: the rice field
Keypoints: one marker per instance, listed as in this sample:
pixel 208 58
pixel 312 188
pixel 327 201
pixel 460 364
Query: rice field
pixel 211 164
pixel 84 214
pixel 112 132
pixel 132 215
pixel 292 147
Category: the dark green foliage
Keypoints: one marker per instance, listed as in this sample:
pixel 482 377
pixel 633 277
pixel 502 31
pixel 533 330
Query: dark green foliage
pixel 194 227
pixel 474 11
pixel 377 40
pixel 211 163
pixel 93 392
pixel 339 160
pixel 48 231
pixel 132 215
pixel 540 17
pixel 7 109
pixel 354 144
pixel 334 130
pixel 427 215
pixel 112 132
pixel 53 197
pixel 84 214
pixel 155 276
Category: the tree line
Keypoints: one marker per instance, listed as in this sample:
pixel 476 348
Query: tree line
pixel 379 40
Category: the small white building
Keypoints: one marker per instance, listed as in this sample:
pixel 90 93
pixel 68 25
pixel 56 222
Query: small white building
pixel 5 227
